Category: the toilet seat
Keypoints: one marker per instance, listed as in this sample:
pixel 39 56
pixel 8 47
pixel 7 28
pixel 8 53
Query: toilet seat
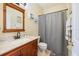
pixel 42 44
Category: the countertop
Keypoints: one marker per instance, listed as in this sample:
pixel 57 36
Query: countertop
pixel 8 46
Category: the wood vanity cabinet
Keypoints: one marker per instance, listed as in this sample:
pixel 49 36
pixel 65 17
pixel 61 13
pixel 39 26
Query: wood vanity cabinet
pixel 28 49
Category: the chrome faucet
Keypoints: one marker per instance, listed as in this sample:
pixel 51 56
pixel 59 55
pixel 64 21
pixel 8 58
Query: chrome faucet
pixel 17 36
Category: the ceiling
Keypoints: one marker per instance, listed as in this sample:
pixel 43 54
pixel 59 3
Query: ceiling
pixel 49 5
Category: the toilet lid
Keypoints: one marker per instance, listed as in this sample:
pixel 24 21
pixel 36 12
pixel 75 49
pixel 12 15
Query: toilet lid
pixel 42 44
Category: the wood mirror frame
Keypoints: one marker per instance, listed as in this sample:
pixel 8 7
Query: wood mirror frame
pixel 4 17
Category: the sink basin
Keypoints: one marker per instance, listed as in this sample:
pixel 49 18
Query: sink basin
pixel 7 39
pixel 11 39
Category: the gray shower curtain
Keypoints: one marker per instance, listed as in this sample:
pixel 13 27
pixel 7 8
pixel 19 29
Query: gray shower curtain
pixel 52 31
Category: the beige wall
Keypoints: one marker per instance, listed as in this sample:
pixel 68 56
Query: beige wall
pixel 31 26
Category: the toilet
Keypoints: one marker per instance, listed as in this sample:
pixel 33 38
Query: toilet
pixel 42 48
pixel 41 45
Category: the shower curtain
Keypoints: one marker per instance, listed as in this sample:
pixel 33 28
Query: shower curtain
pixel 52 31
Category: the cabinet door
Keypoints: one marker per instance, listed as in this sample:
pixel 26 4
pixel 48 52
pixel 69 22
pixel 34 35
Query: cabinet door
pixel 24 50
pixel 14 53
pixel 27 50
pixel 33 48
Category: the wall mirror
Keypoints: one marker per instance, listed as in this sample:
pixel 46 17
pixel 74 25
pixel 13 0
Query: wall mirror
pixel 13 18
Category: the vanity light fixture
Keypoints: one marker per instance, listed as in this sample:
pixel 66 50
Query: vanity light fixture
pixel 24 4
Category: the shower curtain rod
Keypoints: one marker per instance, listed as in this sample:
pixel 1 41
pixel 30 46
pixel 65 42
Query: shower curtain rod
pixel 61 10
pixel 55 11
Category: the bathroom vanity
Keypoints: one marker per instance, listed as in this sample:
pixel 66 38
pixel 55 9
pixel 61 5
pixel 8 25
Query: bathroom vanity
pixel 20 47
